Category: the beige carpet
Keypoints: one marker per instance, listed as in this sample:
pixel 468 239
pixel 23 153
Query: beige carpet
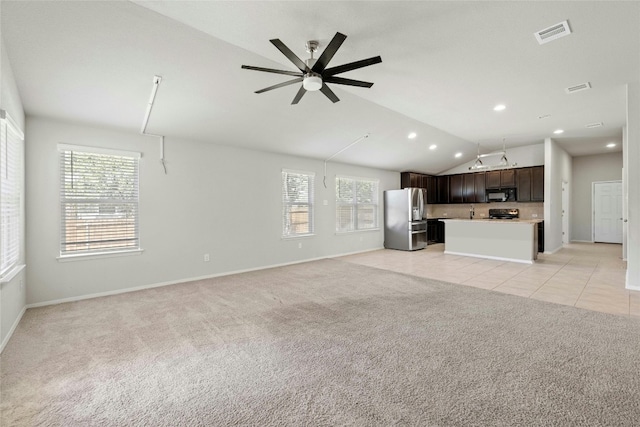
pixel 322 343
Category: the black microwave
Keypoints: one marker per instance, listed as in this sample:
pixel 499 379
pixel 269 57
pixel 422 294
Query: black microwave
pixel 502 195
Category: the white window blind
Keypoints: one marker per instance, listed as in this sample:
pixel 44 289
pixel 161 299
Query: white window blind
pixel 297 203
pixel 11 154
pixel 356 204
pixel 99 200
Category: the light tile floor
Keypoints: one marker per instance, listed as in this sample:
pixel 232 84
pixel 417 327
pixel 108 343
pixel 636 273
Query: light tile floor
pixel 585 275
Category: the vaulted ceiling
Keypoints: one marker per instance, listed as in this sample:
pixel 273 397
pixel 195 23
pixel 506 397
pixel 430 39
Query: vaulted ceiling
pixel 445 65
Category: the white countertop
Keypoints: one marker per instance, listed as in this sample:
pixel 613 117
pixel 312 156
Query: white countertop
pixel 501 221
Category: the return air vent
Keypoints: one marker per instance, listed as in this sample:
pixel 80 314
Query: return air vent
pixel 578 88
pixel 594 125
pixel 552 33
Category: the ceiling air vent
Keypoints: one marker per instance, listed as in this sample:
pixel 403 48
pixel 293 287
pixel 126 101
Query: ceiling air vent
pixel 578 88
pixel 594 125
pixel 552 33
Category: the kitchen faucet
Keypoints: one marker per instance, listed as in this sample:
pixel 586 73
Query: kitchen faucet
pixel 471 212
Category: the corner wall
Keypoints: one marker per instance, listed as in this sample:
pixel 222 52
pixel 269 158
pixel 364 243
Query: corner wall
pixel 215 199
pixel 631 160
pixel 12 293
pixel 557 170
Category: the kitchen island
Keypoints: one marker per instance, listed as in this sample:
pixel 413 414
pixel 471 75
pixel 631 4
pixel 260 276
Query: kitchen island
pixel 508 240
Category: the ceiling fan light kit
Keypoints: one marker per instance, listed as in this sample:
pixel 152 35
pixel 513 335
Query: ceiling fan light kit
pixel 314 74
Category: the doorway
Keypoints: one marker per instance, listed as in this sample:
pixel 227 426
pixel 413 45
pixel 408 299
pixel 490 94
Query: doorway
pixel 607 211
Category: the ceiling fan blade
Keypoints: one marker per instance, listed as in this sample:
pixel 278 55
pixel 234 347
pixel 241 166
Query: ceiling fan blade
pixel 329 93
pixel 271 70
pixel 349 82
pixel 328 53
pixel 351 66
pixel 290 55
pixel 299 95
pixel 287 83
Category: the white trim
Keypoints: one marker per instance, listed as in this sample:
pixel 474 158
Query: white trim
pixel 297 236
pixel 13 328
pixel 298 171
pixel 521 261
pixel 98 150
pixel 185 280
pixel 342 233
pixel 553 251
pixel 13 272
pixel 12 124
pixel 627 285
pixel 96 255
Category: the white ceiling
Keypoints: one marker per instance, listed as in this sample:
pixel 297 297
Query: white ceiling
pixel 445 65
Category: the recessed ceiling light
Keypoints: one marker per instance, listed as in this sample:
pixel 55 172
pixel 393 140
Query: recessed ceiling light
pixel 499 107
pixel 458 155
pixel 611 145
pixel 412 135
pixel 433 147
pixel 558 131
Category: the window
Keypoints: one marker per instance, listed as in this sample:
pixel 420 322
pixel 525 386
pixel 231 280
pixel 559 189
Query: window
pixel 11 154
pixel 356 204
pixel 297 203
pixel 98 200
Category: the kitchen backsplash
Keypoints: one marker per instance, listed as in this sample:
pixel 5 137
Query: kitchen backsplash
pixel 461 210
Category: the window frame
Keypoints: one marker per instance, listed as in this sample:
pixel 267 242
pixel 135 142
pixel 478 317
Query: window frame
pixel 355 226
pixel 11 187
pixel 310 203
pixel 91 253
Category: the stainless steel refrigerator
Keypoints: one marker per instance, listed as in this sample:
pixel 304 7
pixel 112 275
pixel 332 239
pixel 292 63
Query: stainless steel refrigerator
pixel 405 222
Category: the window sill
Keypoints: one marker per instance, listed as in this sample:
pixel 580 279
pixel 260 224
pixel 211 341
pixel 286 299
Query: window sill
pixel 341 233
pixel 301 236
pixel 11 274
pixel 97 255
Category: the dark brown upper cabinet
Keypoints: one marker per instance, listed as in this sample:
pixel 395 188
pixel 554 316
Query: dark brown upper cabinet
pixel 505 178
pixel 492 180
pixel 410 179
pixel 469 188
pixel 481 191
pixel 456 188
pixel 442 184
pixel 523 187
pixel 537 184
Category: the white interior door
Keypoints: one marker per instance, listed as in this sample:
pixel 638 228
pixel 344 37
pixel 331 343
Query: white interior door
pixel 607 212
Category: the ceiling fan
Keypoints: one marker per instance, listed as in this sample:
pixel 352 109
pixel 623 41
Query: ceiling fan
pixel 314 73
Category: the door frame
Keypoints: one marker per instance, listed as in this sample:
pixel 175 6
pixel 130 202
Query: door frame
pixel 593 206
pixel 565 213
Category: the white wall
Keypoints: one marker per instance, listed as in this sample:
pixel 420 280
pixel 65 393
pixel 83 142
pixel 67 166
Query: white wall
pixel 12 293
pixel 528 155
pixel 585 171
pixel 631 160
pixel 557 170
pixel 215 199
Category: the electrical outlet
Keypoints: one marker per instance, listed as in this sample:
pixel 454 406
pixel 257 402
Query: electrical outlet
pixel 300 245
pixel 444 214
pixel 207 258
pixel 534 215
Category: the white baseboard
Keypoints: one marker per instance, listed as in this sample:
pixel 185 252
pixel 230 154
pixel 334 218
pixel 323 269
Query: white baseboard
pixel 13 328
pixel 521 261
pixel 184 280
pixel 546 252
